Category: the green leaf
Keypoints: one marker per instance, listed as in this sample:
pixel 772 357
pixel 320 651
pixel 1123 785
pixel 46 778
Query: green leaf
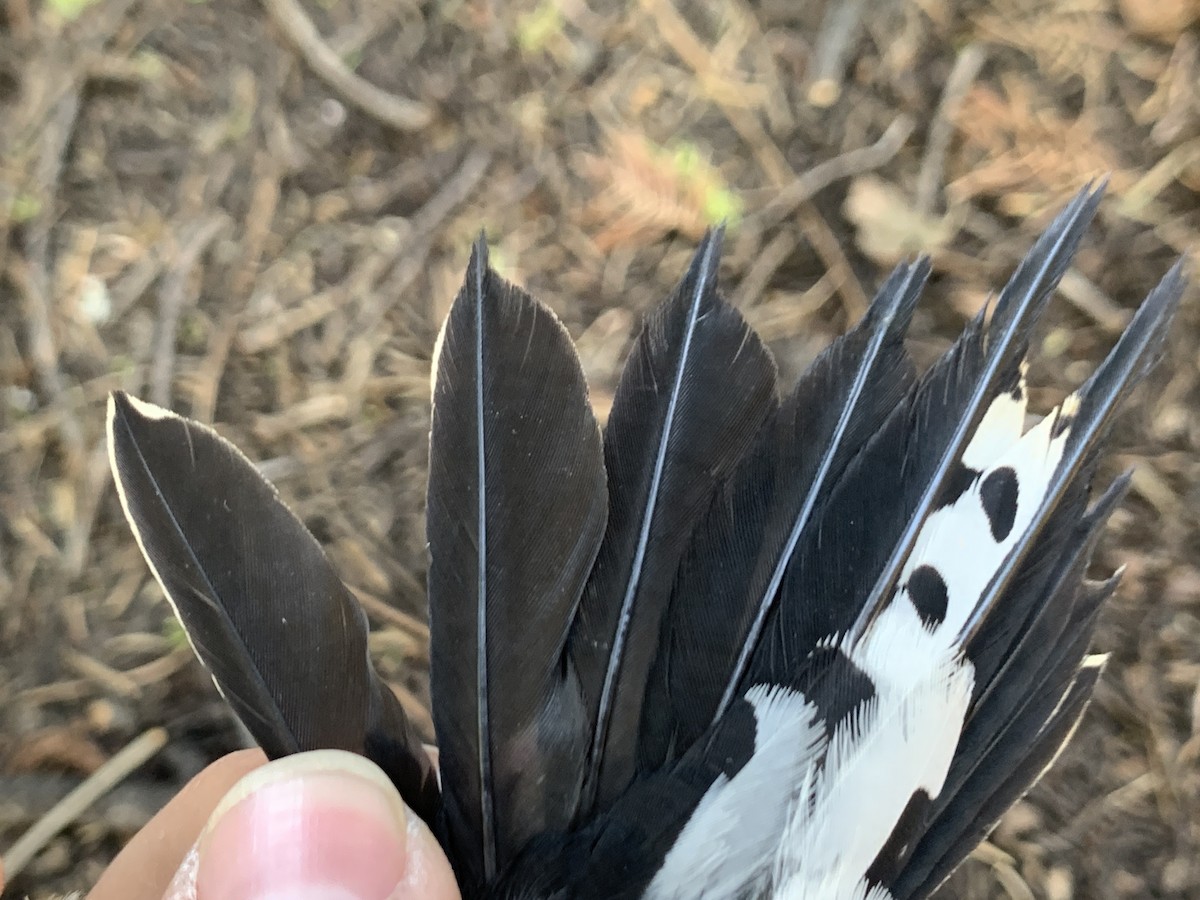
pixel 25 208
pixel 536 29
pixel 70 9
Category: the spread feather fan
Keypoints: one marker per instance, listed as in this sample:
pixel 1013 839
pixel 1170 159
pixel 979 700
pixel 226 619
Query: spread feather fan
pixel 736 645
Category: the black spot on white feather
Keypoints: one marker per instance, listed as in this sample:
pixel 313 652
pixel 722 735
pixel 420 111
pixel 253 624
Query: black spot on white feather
pixel 957 483
pixel 732 745
pixel 899 847
pixel 927 589
pixel 843 686
pixel 999 493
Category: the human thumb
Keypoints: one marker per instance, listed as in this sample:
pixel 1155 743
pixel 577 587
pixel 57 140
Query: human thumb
pixel 323 825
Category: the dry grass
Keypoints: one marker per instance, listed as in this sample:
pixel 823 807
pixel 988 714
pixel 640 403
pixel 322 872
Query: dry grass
pixel 200 205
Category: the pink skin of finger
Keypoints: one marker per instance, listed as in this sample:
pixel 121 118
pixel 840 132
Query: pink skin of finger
pixel 324 825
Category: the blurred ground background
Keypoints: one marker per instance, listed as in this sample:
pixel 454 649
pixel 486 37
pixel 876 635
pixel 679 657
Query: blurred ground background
pixel 259 213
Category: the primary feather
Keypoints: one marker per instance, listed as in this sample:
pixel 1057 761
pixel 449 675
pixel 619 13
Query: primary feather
pixel 284 639
pixel 516 510
pixel 808 651
pixel 696 388
pixel 903 558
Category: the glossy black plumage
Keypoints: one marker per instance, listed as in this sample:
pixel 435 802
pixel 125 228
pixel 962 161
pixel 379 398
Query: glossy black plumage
pixel 953 396
pixel 743 651
pixel 284 639
pixel 1031 650
pixel 696 388
pixel 844 572
pixel 743 549
pixel 516 510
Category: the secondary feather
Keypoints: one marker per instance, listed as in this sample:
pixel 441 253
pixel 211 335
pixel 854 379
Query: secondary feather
pixel 741 552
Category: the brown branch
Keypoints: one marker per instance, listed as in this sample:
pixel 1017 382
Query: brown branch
pixel 67 810
pixel 941 130
pixel 397 112
pixel 846 165
pixel 842 23
pixel 175 294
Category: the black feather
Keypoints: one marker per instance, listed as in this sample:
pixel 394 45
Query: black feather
pixel 644 649
pixel 1021 761
pixel 516 511
pixel 848 562
pixel 1135 353
pixel 742 552
pixel 616 854
pixel 693 394
pixel 956 393
pixel 284 639
pixel 1033 623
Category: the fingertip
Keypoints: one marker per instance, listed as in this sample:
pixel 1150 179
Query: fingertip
pixel 147 865
pixel 427 874
pixel 317 825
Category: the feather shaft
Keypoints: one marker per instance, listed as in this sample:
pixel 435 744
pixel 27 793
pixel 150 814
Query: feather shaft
pixel 516 511
pixel 1018 307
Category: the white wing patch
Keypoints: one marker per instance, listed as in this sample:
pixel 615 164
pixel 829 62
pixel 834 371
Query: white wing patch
pixel 1001 426
pixel 962 545
pixel 805 818
pixel 729 843
pixel 900 741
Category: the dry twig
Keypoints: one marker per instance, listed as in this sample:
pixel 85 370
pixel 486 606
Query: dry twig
pixel 63 813
pixel 829 249
pixel 60 125
pixel 425 222
pixel 846 165
pixel 833 42
pixel 962 76
pixel 175 295
pixel 765 265
pixel 397 112
pixel 736 100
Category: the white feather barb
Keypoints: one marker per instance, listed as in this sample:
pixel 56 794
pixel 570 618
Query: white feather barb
pixel 740 819
pixel 899 742
pixel 903 740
